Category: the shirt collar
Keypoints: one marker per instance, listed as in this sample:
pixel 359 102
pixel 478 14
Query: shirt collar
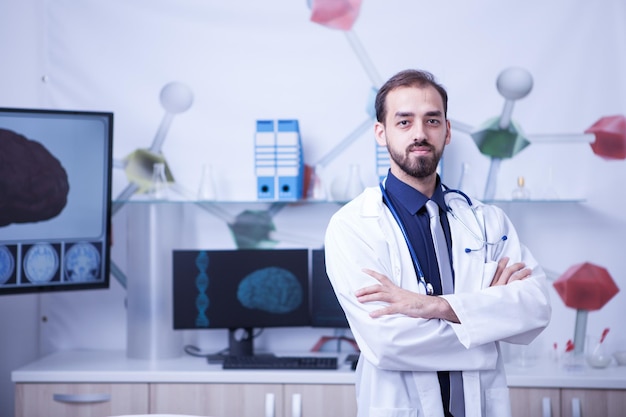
pixel 411 199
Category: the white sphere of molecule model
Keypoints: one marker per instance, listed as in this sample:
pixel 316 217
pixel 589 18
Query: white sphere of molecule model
pixel 514 83
pixel 176 97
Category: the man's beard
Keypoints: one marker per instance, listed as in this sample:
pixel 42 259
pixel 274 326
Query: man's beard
pixel 420 167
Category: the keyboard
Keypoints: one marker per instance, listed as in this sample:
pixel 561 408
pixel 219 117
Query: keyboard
pixel 280 362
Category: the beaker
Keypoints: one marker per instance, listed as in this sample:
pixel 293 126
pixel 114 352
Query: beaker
pixel 207 191
pixel 160 185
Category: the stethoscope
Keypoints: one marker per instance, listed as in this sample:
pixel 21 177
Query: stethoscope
pixel 480 238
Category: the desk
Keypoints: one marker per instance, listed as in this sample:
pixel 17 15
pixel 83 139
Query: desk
pixel 190 385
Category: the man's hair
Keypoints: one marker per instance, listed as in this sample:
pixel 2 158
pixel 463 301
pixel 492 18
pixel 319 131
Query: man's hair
pixel 408 78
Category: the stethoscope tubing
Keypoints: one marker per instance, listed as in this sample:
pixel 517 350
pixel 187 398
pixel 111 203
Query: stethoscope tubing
pixel 420 274
pixel 482 239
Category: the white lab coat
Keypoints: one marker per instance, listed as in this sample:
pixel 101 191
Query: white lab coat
pixel 396 376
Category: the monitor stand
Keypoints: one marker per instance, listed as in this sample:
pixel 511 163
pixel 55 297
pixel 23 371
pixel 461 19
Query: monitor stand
pixel 241 341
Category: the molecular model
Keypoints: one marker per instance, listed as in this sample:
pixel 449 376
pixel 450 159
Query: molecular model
pixel 499 138
pixel 175 98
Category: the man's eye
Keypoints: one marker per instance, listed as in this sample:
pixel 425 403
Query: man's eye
pixel 403 122
pixel 433 121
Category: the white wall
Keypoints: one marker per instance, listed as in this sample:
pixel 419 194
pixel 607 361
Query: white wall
pixel 20 47
pixel 250 60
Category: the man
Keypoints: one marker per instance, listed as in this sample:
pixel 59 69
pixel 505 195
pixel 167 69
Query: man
pixel 429 355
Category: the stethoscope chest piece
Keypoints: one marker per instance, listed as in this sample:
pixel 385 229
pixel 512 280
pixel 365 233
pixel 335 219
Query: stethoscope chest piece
pixel 429 289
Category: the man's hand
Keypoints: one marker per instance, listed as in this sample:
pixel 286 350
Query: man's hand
pixel 507 274
pixel 401 301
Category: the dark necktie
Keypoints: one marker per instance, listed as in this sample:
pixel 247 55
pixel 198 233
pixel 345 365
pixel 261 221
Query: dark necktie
pixel 457 400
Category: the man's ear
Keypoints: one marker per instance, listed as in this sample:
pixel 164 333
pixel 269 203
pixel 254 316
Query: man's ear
pixel 379 132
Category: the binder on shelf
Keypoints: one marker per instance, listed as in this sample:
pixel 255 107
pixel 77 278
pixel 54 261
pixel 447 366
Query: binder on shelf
pixel 279 163
pixel 289 161
pixel 265 159
pixel 382 162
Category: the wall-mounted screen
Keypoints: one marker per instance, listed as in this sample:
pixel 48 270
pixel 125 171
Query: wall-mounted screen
pixel 55 199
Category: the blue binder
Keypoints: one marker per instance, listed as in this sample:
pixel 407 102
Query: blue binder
pixel 289 161
pixel 279 163
pixel 265 159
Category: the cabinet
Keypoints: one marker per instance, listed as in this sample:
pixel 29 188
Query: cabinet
pixel 79 400
pixel 62 384
pixel 109 383
pixel 273 400
pixel 217 399
pixel 535 402
pixel 327 400
pixel 593 402
pixel 247 400
pixel 567 402
pixel 241 400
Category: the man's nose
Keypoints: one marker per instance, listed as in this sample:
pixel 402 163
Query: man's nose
pixel 418 133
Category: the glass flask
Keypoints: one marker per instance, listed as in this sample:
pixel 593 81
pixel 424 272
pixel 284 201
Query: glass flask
pixel 160 185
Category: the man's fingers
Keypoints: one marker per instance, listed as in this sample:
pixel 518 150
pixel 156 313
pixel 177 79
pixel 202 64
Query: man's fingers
pixel 372 289
pixel 515 272
pixel 502 263
pixel 499 270
pixel 520 275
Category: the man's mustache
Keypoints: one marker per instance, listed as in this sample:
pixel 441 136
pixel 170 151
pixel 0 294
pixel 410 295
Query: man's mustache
pixel 420 144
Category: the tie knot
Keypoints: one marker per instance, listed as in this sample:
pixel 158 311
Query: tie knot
pixel 433 209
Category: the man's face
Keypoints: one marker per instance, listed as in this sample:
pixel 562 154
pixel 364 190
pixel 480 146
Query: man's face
pixel 415 131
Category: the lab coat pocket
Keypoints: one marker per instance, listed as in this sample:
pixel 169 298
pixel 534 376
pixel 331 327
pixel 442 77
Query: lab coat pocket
pixel 497 402
pixel 393 412
pixel 489 270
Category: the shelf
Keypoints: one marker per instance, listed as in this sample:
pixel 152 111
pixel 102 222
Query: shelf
pixel 538 201
pixel 223 202
pixel 320 202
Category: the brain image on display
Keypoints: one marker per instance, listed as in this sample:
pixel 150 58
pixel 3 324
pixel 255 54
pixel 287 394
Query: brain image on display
pixel 33 183
pixel 41 263
pixel 7 264
pixel 272 289
pixel 82 263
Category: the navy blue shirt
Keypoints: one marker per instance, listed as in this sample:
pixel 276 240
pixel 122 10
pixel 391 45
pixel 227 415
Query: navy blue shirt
pixel 410 205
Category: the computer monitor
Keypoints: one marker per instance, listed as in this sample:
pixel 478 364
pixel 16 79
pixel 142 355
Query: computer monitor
pixel 240 290
pixel 55 199
pixel 325 309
